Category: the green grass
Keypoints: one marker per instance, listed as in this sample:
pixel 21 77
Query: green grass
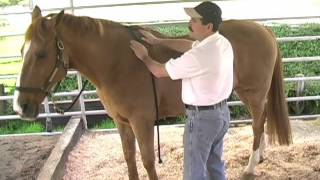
pixel 281 30
pixel 172 30
pixel 19 127
pixel 11 45
pixel 301 30
pixel 58 129
pixel 4 3
pixel 13 67
pixel 6 68
pixel 105 124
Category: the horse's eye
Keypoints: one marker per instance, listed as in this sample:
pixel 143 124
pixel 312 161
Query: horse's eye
pixel 41 54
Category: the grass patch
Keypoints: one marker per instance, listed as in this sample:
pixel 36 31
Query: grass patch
pixel 281 30
pixel 4 3
pixel 105 124
pixel 172 30
pixel 10 46
pixel 6 68
pixel 19 127
pixel 285 30
pixel 173 120
pixel 12 67
pixel 58 129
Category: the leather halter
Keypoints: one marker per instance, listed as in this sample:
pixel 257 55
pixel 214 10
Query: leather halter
pixel 62 61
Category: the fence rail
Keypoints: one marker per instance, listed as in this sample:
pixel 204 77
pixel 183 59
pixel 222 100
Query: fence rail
pixel 280 40
pixel 83 112
pixel 104 112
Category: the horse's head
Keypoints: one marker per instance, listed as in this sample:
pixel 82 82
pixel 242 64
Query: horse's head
pixel 44 64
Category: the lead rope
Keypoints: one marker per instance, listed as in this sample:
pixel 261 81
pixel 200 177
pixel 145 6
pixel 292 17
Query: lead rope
pixel 133 30
pixel 61 110
pixel 157 115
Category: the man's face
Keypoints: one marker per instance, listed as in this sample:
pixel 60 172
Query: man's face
pixel 198 31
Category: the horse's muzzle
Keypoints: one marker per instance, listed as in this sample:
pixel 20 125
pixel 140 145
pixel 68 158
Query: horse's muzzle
pixel 29 111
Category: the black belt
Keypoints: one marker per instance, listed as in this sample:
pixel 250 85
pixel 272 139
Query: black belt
pixel 212 107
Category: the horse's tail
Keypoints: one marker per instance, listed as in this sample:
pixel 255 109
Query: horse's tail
pixel 278 124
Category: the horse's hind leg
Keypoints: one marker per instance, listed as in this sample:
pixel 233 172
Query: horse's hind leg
pixel 262 145
pixel 144 132
pixel 256 103
pixel 129 148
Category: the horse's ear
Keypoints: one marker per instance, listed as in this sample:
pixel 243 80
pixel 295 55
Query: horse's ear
pixel 59 18
pixel 36 13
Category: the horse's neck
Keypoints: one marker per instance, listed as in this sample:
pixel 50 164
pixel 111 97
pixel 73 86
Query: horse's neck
pixel 100 58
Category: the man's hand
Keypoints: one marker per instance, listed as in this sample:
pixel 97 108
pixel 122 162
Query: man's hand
pixel 149 38
pixel 139 49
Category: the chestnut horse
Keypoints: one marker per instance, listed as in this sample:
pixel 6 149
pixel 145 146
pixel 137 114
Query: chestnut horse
pixel 99 50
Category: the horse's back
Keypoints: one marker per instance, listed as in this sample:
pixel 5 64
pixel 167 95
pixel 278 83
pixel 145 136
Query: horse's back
pixel 255 52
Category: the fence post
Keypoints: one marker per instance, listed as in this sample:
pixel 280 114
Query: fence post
pixel 2 103
pixel 72 6
pixel 299 105
pixel 48 119
pixel 81 101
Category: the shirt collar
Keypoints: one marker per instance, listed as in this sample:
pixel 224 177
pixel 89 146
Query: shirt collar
pixel 212 37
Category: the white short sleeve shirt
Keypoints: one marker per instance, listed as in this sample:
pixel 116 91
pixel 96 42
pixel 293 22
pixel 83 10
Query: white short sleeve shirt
pixel 206 71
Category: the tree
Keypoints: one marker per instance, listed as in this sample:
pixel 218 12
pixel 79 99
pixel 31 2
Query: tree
pixel 4 3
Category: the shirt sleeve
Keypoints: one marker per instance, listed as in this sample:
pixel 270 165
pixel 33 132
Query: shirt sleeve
pixel 183 67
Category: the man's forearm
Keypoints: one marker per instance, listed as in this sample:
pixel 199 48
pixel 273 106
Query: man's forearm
pixel 181 45
pixel 156 68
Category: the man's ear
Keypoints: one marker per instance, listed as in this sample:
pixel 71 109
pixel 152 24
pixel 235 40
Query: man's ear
pixel 210 26
pixel 36 13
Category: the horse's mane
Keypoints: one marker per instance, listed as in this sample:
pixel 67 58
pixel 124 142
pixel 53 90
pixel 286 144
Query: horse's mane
pixel 78 24
pixel 84 25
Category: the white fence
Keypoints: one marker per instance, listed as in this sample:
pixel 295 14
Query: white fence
pixel 83 112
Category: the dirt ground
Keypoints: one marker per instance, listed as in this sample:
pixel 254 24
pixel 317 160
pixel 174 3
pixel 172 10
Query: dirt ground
pixel 21 157
pixel 99 156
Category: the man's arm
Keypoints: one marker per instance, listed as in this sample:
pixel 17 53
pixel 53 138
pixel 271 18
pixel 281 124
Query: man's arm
pixel 156 68
pixel 181 45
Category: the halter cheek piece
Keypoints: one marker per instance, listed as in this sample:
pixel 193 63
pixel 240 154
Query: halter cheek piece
pixel 50 87
pixel 61 62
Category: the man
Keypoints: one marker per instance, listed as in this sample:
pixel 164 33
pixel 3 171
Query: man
pixel 206 71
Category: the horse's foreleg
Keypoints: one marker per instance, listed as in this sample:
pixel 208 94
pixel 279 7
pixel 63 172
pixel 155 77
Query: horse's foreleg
pixel 129 149
pixel 144 131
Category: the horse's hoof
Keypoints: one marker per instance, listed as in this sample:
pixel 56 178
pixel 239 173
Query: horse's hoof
pixel 261 160
pixel 248 176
